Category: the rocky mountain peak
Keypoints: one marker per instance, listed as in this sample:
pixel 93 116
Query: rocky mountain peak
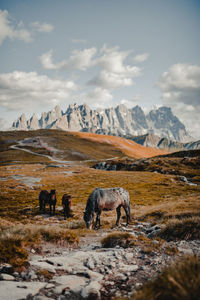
pixel 114 121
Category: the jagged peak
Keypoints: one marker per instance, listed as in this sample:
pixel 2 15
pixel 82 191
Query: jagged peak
pixel 118 120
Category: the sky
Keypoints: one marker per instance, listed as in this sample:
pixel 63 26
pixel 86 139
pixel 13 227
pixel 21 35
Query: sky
pixel 100 52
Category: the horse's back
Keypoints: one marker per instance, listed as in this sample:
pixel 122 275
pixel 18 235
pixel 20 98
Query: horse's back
pixel 109 198
pixel 43 193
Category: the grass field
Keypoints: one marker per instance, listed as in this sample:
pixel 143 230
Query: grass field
pixel 157 198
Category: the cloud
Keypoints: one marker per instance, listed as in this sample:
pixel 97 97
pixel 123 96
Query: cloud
pixel 141 57
pixel 25 91
pixel 7 30
pixel 4 124
pixel 108 80
pixel 115 72
pixel 42 27
pixel 97 98
pixel 180 87
pixel 132 102
pixel 79 59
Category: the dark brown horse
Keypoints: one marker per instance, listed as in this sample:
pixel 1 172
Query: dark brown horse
pixel 47 198
pixel 66 203
pixel 106 199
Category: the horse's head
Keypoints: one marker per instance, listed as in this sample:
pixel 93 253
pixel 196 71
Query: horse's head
pixel 88 218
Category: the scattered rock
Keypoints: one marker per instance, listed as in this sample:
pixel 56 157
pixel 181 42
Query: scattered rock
pixel 91 291
pixel 4 276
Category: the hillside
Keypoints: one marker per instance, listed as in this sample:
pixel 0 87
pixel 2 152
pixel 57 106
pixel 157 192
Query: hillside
pixel 128 147
pixel 47 145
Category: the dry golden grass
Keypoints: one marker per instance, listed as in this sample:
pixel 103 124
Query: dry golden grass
pixel 16 240
pixel 184 229
pixel 122 239
pixel 128 147
pixel 180 281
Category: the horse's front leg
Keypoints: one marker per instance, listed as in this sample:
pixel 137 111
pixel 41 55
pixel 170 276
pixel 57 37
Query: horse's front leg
pixel 44 207
pixel 54 205
pixel 65 212
pixel 50 209
pixel 118 209
pixel 98 220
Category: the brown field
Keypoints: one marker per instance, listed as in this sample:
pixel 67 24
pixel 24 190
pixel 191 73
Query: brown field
pixel 154 197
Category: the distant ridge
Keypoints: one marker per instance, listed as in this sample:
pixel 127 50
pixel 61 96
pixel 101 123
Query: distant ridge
pixel 119 121
pixel 151 140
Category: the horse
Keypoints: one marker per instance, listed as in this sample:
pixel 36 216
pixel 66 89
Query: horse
pixel 106 199
pixel 47 198
pixel 66 203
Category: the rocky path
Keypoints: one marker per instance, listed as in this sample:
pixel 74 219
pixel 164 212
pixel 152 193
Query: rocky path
pixel 91 272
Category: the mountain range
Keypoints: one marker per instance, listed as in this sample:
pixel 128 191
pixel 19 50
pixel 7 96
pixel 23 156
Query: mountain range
pixel 154 141
pixel 120 121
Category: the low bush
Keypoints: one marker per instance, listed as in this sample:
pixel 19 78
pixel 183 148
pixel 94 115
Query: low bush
pixel 117 239
pixel 15 241
pixel 184 229
pixel 180 281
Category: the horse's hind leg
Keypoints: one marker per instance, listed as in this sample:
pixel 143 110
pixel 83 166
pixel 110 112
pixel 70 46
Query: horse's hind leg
pixel 127 211
pixel 41 204
pixel 118 209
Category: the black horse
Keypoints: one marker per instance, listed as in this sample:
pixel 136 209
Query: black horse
pixel 106 199
pixel 47 198
pixel 66 203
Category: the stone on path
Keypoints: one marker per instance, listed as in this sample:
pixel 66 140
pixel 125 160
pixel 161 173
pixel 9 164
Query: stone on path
pixel 70 283
pixel 12 290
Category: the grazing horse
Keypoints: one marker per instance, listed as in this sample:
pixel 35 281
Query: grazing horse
pixel 106 199
pixel 47 198
pixel 66 203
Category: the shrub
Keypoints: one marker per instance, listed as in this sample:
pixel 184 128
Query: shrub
pixel 117 239
pixel 12 250
pixel 187 229
pixel 14 241
pixel 180 281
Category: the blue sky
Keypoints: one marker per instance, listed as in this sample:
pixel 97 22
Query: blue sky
pixel 102 52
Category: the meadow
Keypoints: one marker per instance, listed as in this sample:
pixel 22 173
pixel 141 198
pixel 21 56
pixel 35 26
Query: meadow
pixel 156 198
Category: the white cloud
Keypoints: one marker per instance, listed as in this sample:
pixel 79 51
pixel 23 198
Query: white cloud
pixel 97 98
pixel 7 30
pixel 132 102
pixel 109 80
pixel 42 27
pixel 25 91
pixel 180 87
pixel 79 59
pixel 112 61
pixel 141 57
pixel 115 73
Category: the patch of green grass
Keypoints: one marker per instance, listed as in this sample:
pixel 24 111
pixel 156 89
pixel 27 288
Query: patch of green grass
pixel 180 281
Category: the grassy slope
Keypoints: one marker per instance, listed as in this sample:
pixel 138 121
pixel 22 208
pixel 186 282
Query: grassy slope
pixel 129 147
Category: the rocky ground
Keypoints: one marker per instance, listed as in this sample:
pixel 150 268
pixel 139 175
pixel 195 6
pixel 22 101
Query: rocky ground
pixel 90 271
